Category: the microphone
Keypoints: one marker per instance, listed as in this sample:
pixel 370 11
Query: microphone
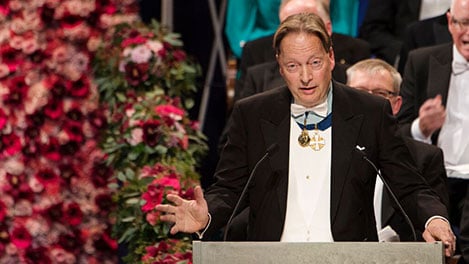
pixel 361 151
pixel 270 150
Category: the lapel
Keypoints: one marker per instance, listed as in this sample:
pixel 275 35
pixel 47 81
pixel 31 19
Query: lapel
pixel 346 125
pixel 275 126
pixel 439 72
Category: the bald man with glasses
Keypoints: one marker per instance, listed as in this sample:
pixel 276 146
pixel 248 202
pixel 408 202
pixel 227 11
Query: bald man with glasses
pixel 377 77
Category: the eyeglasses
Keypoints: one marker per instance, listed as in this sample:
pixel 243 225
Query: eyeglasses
pixel 461 24
pixel 314 64
pixel 379 92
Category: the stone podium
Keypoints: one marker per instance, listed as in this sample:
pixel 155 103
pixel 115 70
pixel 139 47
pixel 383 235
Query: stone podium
pixel 322 253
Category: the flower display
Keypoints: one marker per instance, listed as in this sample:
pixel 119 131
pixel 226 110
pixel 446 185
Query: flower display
pixel 147 82
pixel 55 203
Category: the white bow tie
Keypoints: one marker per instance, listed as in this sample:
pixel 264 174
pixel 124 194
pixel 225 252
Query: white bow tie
pixel 320 109
pixel 460 67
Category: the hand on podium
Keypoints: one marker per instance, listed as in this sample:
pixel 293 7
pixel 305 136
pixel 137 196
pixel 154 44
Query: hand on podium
pixel 440 230
pixel 188 216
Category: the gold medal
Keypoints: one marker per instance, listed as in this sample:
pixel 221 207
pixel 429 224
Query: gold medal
pixel 316 142
pixel 304 139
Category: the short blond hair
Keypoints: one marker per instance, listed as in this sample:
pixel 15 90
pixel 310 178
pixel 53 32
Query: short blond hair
pixel 373 66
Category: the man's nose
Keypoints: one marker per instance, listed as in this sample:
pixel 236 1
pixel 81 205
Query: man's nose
pixel 305 75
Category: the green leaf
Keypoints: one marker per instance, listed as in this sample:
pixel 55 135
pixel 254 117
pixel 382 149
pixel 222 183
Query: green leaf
pixel 133 201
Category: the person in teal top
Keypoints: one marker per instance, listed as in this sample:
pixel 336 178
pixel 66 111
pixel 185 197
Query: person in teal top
pixel 248 20
pixel 347 15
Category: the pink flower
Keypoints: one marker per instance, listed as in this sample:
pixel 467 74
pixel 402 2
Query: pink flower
pixel 140 54
pixel 170 111
pixel 152 217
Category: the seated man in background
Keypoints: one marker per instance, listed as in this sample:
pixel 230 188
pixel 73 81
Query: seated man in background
pixel 377 77
pixel 347 50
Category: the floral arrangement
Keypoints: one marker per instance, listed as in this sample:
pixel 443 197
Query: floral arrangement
pixel 147 81
pixel 55 203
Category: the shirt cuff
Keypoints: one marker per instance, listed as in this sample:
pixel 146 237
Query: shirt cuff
pixel 200 234
pixel 435 217
pixel 417 134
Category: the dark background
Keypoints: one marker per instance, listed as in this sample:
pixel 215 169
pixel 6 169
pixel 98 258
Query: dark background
pixel 191 19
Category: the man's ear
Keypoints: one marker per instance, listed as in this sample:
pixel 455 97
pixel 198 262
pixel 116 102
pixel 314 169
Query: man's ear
pixel 397 105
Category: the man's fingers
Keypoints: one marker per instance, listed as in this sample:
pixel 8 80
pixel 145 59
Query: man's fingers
pixel 175 199
pixel 198 194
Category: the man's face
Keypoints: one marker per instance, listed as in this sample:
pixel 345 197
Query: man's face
pixel 306 67
pixel 380 84
pixel 458 25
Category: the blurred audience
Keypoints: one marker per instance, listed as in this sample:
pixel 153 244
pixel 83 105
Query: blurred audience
pixel 424 33
pixel 248 20
pixel 435 110
pixel 386 20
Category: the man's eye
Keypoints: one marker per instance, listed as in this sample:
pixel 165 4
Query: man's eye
pixel 291 67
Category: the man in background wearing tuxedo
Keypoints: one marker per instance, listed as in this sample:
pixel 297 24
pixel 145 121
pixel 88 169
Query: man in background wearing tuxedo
pixel 435 110
pixel 377 77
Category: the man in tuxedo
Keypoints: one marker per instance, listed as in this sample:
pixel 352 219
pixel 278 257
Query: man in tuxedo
pixel 424 33
pixel 386 20
pixel 348 50
pixel 377 77
pixel 310 182
pixel 435 109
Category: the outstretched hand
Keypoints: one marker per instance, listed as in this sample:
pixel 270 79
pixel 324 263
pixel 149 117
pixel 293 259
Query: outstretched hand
pixel 188 216
pixel 440 230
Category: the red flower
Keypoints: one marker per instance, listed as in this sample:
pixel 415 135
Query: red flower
pixel 100 174
pixel 104 202
pixel 79 88
pixel 151 133
pixel 57 86
pixel 153 196
pixel 20 237
pixel 51 149
pixel 170 113
pixel 134 39
pixel 9 145
pixel 3 119
pixel 74 131
pixel 136 74
pixel 170 181
pixel 105 243
pixel 47 177
pixel 97 119
pixel 3 211
pixel 73 214
pixel 37 255
pixel 71 241
pixel 17 92
pixel 179 55
pixel 54 108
